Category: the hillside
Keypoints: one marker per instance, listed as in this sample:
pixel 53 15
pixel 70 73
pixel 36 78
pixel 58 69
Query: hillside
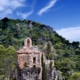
pixel 13 33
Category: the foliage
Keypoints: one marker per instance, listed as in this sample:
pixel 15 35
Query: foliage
pixel 44 77
pixel 5 23
pixel 50 56
pixel 7 60
pixel 75 76
pixel 75 44
pixel 48 47
pixel 66 66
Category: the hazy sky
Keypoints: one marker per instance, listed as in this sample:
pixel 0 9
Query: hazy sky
pixel 62 15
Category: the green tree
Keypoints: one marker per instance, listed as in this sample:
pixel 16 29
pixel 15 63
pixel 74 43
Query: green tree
pixel 66 65
pixel 49 50
pixel 5 23
pixel 48 47
pixel 50 56
pixel 75 44
pixel 7 60
pixel 44 77
pixel 75 76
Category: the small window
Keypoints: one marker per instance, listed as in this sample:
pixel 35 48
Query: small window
pixel 28 42
pixel 34 60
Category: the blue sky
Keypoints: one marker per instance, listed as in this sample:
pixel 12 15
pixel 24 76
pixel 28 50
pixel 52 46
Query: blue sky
pixel 62 15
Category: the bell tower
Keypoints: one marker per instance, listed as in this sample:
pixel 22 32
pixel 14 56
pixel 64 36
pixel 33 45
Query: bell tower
pixel 28 57
pixel 28 43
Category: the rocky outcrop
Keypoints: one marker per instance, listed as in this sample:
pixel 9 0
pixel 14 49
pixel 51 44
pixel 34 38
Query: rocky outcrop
pixel 28 73
pixel 54 74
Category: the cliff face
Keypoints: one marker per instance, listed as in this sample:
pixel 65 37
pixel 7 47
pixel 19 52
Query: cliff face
pixel 52 73
pixel 33 73
pixel 30 73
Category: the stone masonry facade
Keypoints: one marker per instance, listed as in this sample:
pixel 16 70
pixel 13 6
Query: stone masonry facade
pixel 29 56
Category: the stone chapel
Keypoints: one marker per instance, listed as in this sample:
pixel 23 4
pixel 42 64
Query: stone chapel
pixel 30 56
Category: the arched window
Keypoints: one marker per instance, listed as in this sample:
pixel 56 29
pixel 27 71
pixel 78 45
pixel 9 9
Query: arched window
pixel 28 42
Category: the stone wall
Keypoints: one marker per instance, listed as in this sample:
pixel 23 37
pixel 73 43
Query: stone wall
pixel 28 59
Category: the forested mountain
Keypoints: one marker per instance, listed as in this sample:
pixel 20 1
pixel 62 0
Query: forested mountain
pixel 12 34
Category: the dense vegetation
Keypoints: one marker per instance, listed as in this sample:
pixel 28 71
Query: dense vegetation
pixel 7 61
pixel 13 33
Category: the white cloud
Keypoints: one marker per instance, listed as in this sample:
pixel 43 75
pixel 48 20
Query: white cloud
pixel 11 3
pixel 8 6
pixel 24 15
pixel 46 8
pixel 5 13
pixel 71 34
pixel 15 4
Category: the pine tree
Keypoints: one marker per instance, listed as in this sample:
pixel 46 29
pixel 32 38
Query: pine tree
pixel 44 77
